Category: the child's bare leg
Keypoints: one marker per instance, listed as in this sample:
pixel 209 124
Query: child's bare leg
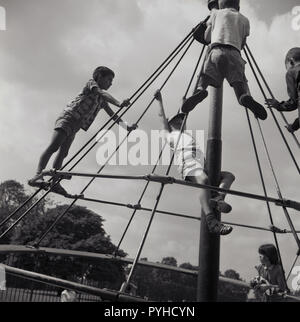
pixel 245 99
pixel 63 152
pixel 204 194
pixel 227 179
pixel 58 138
pixel 214 225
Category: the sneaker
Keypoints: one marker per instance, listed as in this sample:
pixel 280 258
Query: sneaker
pixel 220 205
pixel 216 227
pixel 194 100
pixel 257 109
pixel 36 181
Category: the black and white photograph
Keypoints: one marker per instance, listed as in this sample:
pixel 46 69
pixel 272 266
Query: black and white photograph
pixel 149 154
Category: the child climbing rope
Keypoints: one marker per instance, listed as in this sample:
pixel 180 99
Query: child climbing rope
pixel 227 31
pixel 190 160
pixel 79 114
pixel 292 64
pixel 270 284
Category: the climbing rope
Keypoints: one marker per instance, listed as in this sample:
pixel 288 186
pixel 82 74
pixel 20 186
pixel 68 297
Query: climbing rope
pixel 265 192
pixel 139 119
pixel 138 254
pixel 171 57
pixel 150 80
pixel 161 152
pixel 270 108
pixel 269 159
pixel 140 207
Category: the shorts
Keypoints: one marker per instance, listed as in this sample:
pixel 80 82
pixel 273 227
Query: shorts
pixel 191 171
pixel 68 123
pixel 192 162
pixel 223 62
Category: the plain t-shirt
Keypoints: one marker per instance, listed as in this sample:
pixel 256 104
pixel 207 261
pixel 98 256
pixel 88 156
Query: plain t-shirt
pixel 229 27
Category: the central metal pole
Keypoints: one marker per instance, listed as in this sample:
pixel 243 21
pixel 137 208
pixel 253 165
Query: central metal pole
pixel 209 252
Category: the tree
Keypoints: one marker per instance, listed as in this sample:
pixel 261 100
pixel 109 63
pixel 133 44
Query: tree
pixel 12 195
pixel 231 292
pixel 79 229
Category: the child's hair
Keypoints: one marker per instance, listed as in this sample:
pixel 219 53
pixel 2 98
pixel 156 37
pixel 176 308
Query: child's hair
pixel 293 54
pixel 178 117
pixel 213 4
pixel 102 71
pixel 270 251
pixel 229 4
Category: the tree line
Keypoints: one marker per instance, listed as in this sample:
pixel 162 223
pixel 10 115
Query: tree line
pixel 82 229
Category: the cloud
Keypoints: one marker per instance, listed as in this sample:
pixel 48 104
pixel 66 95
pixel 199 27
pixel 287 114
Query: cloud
pixel 50 50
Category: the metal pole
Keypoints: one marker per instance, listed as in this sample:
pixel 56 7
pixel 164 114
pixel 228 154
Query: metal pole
pixel 209 252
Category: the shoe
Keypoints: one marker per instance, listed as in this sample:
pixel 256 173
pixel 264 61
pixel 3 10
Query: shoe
pixel 57 188
pixel 257 109
pixel 220 205
pixel 37 182
pixel 216 227
pixel 192 101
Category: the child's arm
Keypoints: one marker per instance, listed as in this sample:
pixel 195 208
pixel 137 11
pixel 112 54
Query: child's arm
pixel 110 99
pixel 116 118
pixel 161 113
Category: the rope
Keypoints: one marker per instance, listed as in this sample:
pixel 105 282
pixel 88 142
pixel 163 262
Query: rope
pixel 139 201
pixel 265 191
pixel 170 180
pixel 169 58
pixel 161 189
pixel 271 93
pixel 294 263
pixel 133 268
pixel 138 206
pixel 187 39
pixel 154 168
pixel 270 108
pixel 268 155
pixel 279 190
pixel 60 216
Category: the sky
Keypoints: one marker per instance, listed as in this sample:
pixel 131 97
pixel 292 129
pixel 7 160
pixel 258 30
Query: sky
pixel 49 51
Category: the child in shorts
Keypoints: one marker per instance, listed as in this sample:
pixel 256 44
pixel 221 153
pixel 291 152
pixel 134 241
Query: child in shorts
pixel 292 64
pixel 227 31
pixel 79 114
pixel 191 165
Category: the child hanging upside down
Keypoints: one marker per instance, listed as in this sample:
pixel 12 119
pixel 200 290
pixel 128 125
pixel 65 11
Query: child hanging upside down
pixel 79 114
pixel 190 159
pixel 292 64
pixel 227 31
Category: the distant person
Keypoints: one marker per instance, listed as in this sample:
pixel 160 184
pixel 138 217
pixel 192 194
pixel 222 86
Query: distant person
pixel 68 296
pixel 270 283
pixel 79 114
pixel 292 64
pixel 227 31
pixel 190 160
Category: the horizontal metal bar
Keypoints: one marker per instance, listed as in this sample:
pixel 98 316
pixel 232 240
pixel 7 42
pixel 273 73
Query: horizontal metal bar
pixel 169 180
pixel 65 252
pixel 170 213
pixel 110 295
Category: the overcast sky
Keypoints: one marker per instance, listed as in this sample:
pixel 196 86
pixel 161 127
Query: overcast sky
pixel 49 51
